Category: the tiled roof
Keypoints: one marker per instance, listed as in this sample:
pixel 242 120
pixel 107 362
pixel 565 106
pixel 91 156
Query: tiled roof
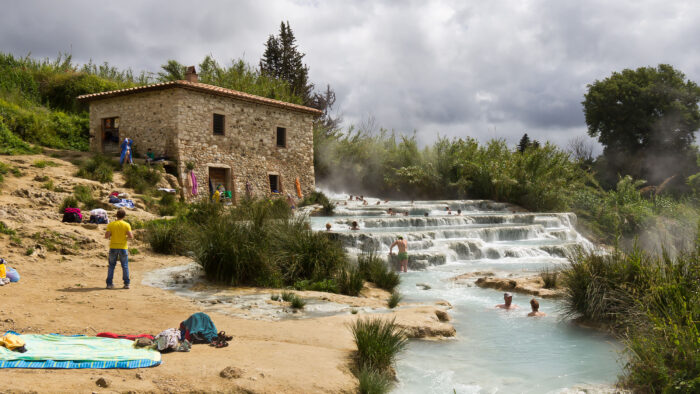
pixel 201 87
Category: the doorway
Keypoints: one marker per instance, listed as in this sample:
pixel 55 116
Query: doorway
pixel 110 135
pixel 221 176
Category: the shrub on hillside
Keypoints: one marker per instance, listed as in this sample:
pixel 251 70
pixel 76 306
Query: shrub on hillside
pixel 83 194
pixel 376 270
pixel 168 236
pixel 98 168
pixel 68 202
pixel 11 144
pixel 142 178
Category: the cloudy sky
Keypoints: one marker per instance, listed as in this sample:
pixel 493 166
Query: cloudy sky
pixel 453 68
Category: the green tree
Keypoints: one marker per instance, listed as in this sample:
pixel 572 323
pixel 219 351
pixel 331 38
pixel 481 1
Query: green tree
pixel 646 120
pixel 172 71
pixel 282 59
pixel 524 143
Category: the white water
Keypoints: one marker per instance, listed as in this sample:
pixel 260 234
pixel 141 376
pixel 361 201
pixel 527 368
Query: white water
pixel 495 351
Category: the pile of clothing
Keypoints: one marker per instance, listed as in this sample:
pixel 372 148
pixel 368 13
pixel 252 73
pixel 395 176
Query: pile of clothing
pixel 72 215
pixel 7 274
pixel 98 216
pixel 120 200
pixel 13 342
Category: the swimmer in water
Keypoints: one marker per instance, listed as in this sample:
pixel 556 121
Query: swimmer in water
pixel 535 309
pixel 508 298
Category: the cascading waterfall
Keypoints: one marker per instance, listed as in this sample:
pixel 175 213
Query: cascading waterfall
pixel 495 350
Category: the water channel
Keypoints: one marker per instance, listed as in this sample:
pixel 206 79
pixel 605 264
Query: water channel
pixel 495 351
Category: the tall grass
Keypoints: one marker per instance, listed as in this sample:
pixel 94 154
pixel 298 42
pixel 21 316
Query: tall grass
pixel 142 178
pixel 98 168
pixel 652 301
pixel 550 277
pixel 168 236
pixel 376 270
pixel 378 342
pixel 350 281
pixel 373 382
pixel 84 195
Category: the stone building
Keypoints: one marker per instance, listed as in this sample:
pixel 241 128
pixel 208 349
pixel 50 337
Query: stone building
pixel 231 138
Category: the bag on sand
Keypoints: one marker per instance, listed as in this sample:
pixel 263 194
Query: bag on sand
pixel 198 328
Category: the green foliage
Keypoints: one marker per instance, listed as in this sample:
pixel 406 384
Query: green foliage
pixel 44 164
pixel 297 302
pixel 317 197
pixel 260 243
pixel 350 282
pixel 287 296
pixel 168 205
pixel 98 168
pixel 168 236
pixel 11 144
pixel 654 301
pixel 328 285
pixel 68 202
pixel 373 382
pixel 6 230
pixel 275 297
pixel 282 60
pixel 378 342
pixel 142 178
pixel 84 195
pixel 134 251
pixel 646 120
pixel 394 300
pixel 377 271
pixel 550 277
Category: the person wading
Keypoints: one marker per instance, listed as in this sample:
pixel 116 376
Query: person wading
pixel 402 245
pixel 117 233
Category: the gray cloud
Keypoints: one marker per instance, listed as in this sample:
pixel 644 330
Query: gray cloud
pixel 454 68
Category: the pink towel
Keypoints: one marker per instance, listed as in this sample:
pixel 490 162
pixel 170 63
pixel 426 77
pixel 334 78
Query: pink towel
pixel 194 183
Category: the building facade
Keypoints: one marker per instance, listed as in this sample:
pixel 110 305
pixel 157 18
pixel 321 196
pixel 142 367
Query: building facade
pixel 230 138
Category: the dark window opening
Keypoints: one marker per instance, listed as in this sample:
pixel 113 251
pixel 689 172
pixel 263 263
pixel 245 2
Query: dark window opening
pixel 218 124
pixel 281 137
pixel 274 183
pixel 110 135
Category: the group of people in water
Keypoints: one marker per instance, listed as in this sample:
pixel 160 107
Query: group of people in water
pixel 508 305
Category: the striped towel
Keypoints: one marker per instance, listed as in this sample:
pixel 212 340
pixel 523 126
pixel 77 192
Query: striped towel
pixel 75 352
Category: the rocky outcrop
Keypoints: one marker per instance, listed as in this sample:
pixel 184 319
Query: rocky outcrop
pixel 425 322
pixel 533 285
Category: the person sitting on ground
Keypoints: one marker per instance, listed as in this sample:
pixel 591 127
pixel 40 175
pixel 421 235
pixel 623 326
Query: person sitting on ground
pixel 117 233
pixel 328 227
pixel 150 156
pixel 354 226
pixel 535 309
pixel 508 298
pixel 402 245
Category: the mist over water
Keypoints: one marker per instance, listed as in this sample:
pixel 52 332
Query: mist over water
pixel 495 351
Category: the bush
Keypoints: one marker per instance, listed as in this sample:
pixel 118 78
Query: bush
pixel 375 270
pixel 274 297
pixel 142 178
pixel 84 195
pixel 11 144
pixel 350 282
pixel 168 205
pixel 327 285
pixel 202 211
pixel 373 382
pixel 287 296
pixel 550 277
pixel 98 168
pixel 378 342
pixel 44 164
pixel 653 301
pixel 317 197
pixel 394 300
pixel 297 302
pixel 68 202
pixel 167 236
pixel 6 230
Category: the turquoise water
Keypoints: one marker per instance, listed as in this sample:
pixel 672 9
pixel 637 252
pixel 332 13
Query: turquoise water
pixel 495 351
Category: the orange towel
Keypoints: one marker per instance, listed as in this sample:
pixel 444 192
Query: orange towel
pixel 296 181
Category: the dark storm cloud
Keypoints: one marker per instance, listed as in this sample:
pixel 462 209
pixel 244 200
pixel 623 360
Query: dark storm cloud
pixel 454 68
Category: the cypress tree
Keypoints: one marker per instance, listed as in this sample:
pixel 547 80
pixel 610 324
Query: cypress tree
pixel 282 59
pixel 524 143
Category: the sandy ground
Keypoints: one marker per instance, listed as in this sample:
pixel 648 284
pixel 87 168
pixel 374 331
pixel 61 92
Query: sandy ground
pixel 62 291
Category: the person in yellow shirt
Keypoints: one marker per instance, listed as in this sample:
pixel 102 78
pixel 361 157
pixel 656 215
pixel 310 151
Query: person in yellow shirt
pixel 118 232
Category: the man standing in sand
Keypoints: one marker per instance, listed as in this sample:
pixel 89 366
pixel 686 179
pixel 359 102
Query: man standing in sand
pixel 535 309
pixel 508 298
pixel 117 233
pixel 402 245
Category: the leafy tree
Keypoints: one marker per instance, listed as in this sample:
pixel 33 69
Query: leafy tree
pixel 646 120
pixel 524 143
pixel 172 71
pixel 283 60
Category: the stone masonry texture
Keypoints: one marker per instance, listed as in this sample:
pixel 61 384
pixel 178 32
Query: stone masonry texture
pixel 179 123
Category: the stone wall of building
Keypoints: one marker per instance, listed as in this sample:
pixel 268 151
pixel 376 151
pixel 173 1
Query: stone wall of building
pixel 249 144
pixel 148 118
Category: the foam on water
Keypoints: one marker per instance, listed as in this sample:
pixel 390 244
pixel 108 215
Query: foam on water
pixel 495 351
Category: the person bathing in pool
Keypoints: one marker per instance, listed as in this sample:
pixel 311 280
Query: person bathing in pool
pixel 508 298
pixel 535 309
pixel 402 245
